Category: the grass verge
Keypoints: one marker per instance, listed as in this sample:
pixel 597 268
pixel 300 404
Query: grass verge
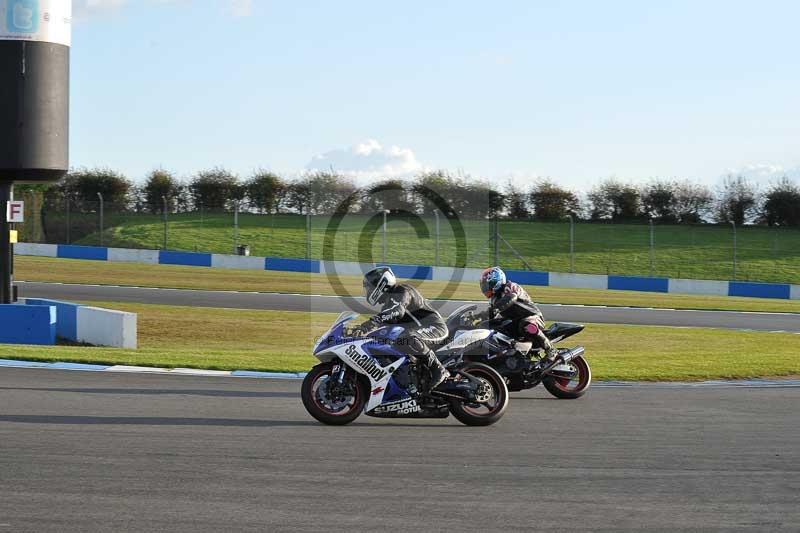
pixel 228 339
pixel 105 273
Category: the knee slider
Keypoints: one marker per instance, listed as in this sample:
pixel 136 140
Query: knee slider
pixel 532 329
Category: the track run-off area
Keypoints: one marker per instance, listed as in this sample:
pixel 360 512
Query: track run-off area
pixel 758 321
pixel 91 451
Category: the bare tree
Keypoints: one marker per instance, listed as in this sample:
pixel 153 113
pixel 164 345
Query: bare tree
pixel 737 201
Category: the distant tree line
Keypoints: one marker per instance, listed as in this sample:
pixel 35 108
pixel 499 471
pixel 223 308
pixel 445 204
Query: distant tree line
pixel 665 201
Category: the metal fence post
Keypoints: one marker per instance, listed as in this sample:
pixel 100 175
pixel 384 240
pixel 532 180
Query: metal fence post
pixel 571 244
pixel 652 243
pixel 100 196
pixel 308 235
pixel 733 225
pixel 164 198
pixel 235 226
pixel 496 242
pixel 436 257
pixel 385 212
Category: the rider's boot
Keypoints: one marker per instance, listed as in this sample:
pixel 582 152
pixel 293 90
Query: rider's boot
pixel 438 372
pixel 550 351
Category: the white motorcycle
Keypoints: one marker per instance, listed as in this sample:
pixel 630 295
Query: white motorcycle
pixel 367 374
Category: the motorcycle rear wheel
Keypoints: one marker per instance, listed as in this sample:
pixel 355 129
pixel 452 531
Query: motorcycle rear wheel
pixel 496 393
pixel 566 389
pixel 332 411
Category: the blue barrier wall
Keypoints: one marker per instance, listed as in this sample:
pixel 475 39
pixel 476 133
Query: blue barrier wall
pixel 759 290
pixel 626 283
pixel 71 251
pixel 27 324
pixel 527 277
pixel 632 283
pixel 292 265
pixel 66 317
pixel 166 257
pixel 411 271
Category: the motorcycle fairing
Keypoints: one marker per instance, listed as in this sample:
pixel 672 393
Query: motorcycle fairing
pixel 464 339
pixel 354 355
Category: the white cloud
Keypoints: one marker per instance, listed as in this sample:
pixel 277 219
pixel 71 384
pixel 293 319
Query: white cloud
pixel 241 8
pixel 764 173
pixel 368 159
pixel 86 8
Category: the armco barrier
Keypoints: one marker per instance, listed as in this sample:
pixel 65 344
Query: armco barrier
pixel 698 286
pixel 104 327
pixel 759 290
pixel 123 255
pixel 237 262
pixel 66 316
pixel 292 265
pixel 27 324
pixel 552 279
pixel 167 257
pixel 95 253
pixel 412 271
pixel 343 268
pixel 634 283
pixel 456 274
pixel 578 281
pixel 526 277
pixel 35 249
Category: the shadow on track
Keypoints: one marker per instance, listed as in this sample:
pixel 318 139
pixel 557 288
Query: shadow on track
pixel 150 421
pixel 166 421
pixel 183 392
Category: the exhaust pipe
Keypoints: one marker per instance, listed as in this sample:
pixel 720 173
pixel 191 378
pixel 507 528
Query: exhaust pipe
pixel 564 358
pixel 572 354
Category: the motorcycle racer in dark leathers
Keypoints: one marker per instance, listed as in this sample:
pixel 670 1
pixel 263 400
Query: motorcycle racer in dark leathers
pixel 510 301
pixel 403 305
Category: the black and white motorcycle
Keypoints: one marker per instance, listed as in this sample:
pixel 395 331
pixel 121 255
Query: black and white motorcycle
pixel 366 374
pixel 492 343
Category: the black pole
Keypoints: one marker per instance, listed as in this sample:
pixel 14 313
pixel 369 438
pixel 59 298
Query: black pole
pixel 6 294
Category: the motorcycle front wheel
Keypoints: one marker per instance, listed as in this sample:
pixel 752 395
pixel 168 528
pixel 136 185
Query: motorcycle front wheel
pixel 492 398
pixel 570 388
pixel 330 402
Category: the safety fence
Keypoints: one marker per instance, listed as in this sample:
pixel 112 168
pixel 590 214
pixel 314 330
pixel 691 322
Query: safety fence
pixel 703 251
pixel 438 273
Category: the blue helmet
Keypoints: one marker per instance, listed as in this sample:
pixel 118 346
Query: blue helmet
pixel 492 279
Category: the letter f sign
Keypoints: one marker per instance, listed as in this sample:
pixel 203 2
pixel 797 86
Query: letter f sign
pixel 15 211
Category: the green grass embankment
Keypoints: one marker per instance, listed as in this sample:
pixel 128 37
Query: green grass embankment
pixel 699 252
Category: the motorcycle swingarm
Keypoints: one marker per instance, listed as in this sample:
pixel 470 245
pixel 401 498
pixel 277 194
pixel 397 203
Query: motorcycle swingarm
pixel 457 389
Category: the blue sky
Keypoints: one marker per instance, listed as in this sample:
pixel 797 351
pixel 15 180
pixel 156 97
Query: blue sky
pixel 573 90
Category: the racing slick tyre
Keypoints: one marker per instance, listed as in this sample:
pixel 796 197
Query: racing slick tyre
pixel 570 389
pixel 330 402
pixel 492 397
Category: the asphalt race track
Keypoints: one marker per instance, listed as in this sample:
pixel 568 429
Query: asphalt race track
pixel 297 302
pixel 83 451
